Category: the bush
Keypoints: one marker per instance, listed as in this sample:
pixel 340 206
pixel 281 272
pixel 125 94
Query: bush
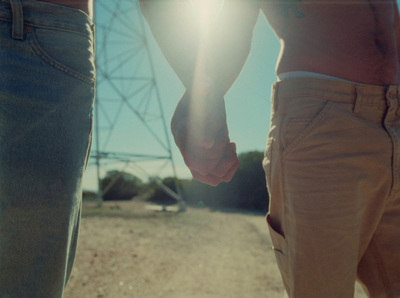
pixel 247 190
pixel 159 196
pixel 117 185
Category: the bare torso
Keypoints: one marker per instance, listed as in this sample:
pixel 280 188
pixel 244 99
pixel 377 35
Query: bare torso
pixel 354 40
pixel 84 5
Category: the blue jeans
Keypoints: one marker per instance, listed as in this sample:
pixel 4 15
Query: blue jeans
pixel 47 87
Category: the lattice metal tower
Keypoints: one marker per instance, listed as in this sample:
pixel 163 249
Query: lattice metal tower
pixel 130 131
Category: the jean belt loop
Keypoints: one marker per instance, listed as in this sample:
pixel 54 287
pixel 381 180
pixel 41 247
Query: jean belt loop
pixel 18 19
pixel 397 92
pixel 358 101
pixel 393 98
pixel 391 95
pixel 94 34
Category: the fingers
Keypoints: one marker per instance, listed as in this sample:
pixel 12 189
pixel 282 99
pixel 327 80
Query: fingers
pixel 204 165
pixel 209 142
pixel 200 131
pixel 214 180
pixel 200 124
pixel 219 171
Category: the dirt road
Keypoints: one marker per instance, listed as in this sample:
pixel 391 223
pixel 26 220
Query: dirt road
pixel 128 251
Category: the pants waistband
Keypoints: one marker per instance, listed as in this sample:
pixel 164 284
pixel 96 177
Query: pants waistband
pixel 44 15
pixel 338 91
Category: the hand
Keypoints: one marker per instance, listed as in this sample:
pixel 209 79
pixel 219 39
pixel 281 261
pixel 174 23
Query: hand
pixel 200 131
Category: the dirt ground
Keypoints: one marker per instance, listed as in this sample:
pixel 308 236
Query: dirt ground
pixel 127 250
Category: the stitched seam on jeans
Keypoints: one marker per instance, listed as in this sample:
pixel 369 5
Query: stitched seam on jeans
pixel 60 29
pixel 90 142
pixel 5 20
pixel 335 99
pixel 57 65
pixel 321 115
pixel 282 185
pixel 381 270
pixel 89 34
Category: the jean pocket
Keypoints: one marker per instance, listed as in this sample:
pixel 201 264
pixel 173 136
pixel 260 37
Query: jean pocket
pixel 69 52
pixel 298 126
pixel 280 250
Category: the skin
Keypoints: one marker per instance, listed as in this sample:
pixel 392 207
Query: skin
pixel 84 5
pixel 208 64
pixel 356 40
pixel 362 47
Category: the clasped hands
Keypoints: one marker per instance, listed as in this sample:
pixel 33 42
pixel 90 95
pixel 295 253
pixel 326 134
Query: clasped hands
pixel 200 131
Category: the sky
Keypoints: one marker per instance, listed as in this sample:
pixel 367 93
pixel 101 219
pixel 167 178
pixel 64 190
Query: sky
pixel 247 102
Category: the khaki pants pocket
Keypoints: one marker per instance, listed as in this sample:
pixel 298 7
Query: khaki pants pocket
pixel 280 250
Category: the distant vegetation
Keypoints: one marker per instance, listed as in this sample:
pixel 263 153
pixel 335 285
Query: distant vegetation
pixel 117 185
pixel 247 190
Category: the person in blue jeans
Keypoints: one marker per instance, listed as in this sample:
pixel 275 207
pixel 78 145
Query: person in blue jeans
pixel 47 88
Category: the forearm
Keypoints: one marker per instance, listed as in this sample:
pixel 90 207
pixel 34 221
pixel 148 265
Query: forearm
pixel 228 44
pixel 171 23
pixel 217 55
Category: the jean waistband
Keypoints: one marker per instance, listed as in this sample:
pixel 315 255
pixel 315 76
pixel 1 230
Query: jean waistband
pixel 338 91
pixel 50 16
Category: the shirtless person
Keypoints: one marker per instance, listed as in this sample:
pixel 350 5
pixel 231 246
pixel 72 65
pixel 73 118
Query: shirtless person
pixel 84 5
pixel 332 161
pixel 47 83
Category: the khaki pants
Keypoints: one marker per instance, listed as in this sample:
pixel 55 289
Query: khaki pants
pixel 333 173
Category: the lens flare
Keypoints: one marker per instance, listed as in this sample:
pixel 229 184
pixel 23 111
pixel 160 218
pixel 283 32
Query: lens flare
pixel 207 11
pixel 200 125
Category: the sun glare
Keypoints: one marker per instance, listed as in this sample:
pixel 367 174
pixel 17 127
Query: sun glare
pixel 208 11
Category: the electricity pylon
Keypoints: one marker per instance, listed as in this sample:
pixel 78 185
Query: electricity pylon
pixel 130 128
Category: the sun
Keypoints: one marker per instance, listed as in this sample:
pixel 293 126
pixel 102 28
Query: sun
pixel 208 12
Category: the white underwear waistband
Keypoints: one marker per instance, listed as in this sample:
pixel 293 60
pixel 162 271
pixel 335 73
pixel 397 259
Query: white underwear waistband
pixel 307 74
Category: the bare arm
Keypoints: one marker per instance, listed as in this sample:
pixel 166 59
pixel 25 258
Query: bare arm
pixel 221 52
pixel 171 23
pixel 207 55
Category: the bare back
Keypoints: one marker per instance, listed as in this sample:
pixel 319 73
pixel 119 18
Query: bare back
pixel 354 40
pixel 84 5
